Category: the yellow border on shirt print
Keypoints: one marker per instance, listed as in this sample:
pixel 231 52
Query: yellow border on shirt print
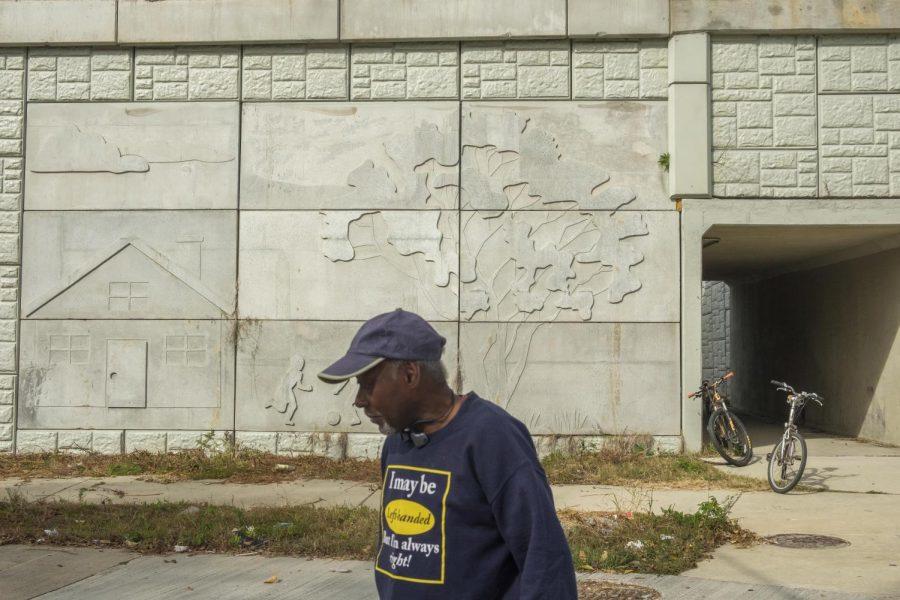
pixel 443 525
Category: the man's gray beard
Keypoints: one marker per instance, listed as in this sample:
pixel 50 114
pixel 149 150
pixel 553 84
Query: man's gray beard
pixel 386 429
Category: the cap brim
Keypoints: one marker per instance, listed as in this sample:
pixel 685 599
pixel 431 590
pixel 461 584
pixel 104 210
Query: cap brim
pixel 350 365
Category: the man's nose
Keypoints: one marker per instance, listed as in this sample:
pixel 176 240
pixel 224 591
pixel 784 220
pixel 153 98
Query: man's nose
pixel 360 401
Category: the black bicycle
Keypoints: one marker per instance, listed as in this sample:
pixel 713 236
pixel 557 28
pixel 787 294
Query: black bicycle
pixel 726 431
pixel 788 460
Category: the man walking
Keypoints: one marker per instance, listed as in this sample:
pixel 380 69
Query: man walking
pixel 466 510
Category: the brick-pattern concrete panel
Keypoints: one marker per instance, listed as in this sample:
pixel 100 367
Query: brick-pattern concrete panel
pixel 764 173
pixel 860 145
pixel 764 92
pixel 145 441
pixel 12 123
pixel 36 440
pixel 297 72
pixel 203 73
pixel 9 237
pixel 764 117
pixel 715 306
pixel 7 408
pixel 69 74
pixel 619 70
pixel 12 94
pixel 10 192
pixel 107 441
pixel 405 71
pixel 869 63
pixel 516 70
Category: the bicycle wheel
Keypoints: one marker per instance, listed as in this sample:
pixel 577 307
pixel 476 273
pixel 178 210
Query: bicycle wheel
pixel 785 473
pixel 730 437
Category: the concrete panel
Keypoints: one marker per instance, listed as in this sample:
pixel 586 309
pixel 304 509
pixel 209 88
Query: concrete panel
pixel 41 22
pixel 568 378
pixel 764 92
pixel 422 19
pixel 261 441
pixel 12 121
pixel 125 264
pixel 540 155
pixel 66 74
pixel 198 21
pixel 308 264
pixel 295 72
pixel 602 18
pixel 145 441
pixel 358 155
pixel 857 145
pixel 405 71
pixel 107 442
pixel 787 15
pixel 193 73
pixel 277 387
pixel 126 156
pixel 619 70
pixel 859 63
pixel 516 69
pixel 65 376
pixel 36 441
pixel 569 266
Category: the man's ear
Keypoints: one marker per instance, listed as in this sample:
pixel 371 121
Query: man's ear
pixel 411 373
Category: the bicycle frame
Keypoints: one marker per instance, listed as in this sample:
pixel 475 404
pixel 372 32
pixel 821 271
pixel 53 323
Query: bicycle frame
pixel 712 397
pixel 797 400
pixel 787 438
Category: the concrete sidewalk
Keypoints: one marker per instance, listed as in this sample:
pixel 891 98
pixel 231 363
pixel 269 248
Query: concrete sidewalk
pixel 76 573
pixel 834 463
pixel 868 521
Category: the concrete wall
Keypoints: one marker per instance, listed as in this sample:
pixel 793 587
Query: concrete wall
pixel 203 186
pixel 205 227
pixel 832 330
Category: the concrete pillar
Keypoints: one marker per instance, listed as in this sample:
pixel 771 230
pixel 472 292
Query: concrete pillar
pixel 689 116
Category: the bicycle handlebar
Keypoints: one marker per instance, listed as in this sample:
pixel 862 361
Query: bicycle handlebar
pixel 804 396
pixel 713 384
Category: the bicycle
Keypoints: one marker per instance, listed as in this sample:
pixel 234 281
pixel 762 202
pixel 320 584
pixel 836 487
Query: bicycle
pixel 727 432
pixel 783 458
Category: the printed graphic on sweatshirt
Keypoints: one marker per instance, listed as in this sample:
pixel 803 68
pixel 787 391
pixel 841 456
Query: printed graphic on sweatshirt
pixel 413 507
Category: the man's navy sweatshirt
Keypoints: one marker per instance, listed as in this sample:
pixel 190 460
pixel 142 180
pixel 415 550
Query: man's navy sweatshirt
pixel 470 514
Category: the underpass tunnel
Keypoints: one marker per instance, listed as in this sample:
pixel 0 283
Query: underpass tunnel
pixel 816 306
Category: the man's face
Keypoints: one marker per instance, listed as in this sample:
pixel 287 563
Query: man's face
pixel 386 396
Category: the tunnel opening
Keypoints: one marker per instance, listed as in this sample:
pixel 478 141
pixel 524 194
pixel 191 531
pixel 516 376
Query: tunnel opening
pixel 816 306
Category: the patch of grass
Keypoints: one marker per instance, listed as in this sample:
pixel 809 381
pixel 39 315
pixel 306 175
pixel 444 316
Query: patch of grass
pixel 338 532
pixel 668 543
pixel 628 461
pixel 237 466
pixel 625 460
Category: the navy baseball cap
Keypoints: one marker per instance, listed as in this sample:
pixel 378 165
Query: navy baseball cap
pixel 397 335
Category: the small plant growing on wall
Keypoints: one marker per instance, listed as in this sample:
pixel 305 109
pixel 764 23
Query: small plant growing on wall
pixel 663 161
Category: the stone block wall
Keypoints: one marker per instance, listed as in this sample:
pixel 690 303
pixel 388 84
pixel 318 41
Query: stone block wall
pixel 223 218
pixel 716 323
pixel 806 116
pixel 12 130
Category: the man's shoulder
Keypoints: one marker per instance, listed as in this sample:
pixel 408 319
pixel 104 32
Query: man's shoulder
pixel 491 422
pixel 492 413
